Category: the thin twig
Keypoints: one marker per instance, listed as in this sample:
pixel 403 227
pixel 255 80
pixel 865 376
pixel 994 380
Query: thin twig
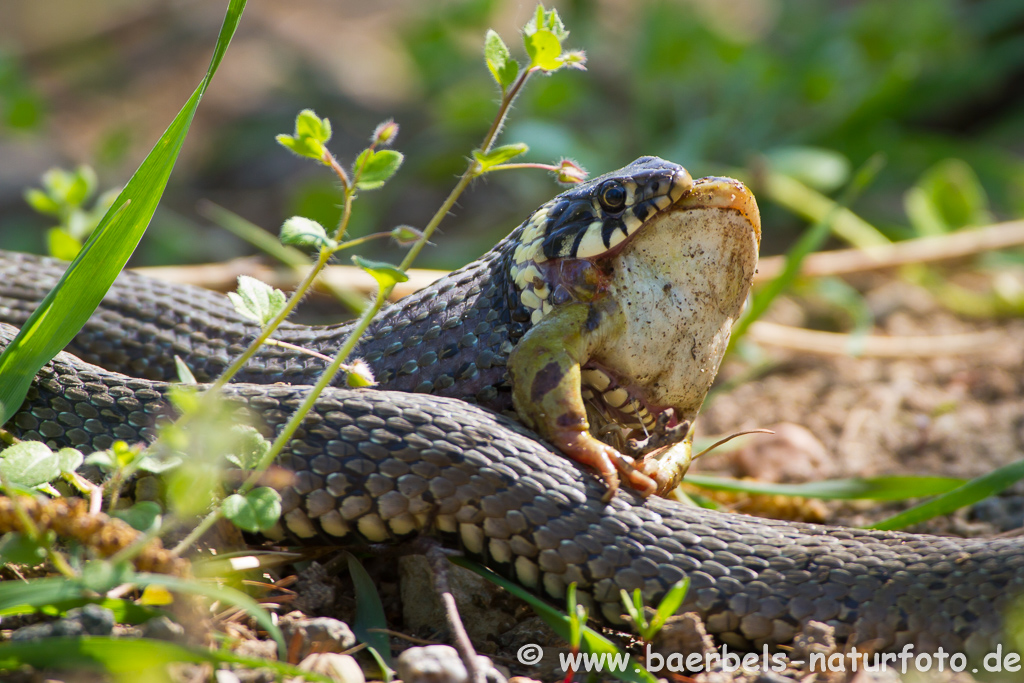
pixel 460 638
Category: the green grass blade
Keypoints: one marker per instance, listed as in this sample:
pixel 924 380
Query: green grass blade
pixel 559 622
pixel 21 597
pixel 129 659
pixel 669 605
pixel 975 490
pixel 875 488
pixel 125 611
pixel 67 307
pixel 228 596
pixel 370 619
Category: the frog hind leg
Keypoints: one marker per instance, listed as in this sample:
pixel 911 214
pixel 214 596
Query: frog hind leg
pixel 546 384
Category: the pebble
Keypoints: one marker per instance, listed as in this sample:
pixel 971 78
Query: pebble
pixel 441 664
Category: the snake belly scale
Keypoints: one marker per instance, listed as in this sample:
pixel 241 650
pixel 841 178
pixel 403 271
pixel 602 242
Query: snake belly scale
pixel 379 466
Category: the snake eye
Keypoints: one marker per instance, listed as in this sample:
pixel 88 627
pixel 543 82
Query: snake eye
pixel 612 196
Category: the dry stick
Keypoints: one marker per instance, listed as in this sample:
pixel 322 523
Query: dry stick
pixel 874 346
pixel 438 560
pixel 920 250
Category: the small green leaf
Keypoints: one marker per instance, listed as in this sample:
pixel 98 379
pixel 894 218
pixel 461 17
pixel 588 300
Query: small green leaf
pixel 305 232
pixel 303 147
pixel 359 374
pixel 62 245
pixel 69 459
pixel 192 487
pixel 544 50
pixel 155 465
pixel 184 398
pixel 17 548
pixel 57 183
pixel 250 449
pixel 309 125
pixel 257 510
pixel 185 375
pixel 29 463
pixel 499 155
pixel 637 615
pixel 257 300
pixel 546 20
pixel 41 202
pixel 125 454
pixel 144 516
pixel 503 68
pixel 102 459
pixel 948 196
pixel 404 235
pixel 377 167
pixel 81 186
pixel 386 275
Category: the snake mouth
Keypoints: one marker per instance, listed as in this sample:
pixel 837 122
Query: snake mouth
pixel 621 415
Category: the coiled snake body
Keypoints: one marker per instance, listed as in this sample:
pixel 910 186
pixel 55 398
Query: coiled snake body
pixel 379 466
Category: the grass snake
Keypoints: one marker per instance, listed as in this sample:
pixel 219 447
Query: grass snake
pixel 416 456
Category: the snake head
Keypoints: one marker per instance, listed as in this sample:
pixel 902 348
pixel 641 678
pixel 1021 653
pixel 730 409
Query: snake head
pixel 631 304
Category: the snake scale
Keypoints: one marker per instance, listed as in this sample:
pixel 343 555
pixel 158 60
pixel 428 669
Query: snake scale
pixel 416 456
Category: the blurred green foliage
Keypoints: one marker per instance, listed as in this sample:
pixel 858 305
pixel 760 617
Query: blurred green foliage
pixel 718 87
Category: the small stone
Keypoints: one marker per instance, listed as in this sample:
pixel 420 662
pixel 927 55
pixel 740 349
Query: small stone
pixel 685 635
pixel 815 637
pixel 791 455
pixel 338 667
pixel 90 620
pixel 441 664
pixel 162 628
pixel 479 601
pixel 318 634
pixel 94 620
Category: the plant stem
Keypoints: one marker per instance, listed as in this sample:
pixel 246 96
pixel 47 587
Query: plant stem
pixel 449 202
pixel 503 109
pixel 471 172
pixel 269 328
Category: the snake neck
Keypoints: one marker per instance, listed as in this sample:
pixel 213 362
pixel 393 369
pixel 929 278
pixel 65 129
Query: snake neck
pixel 452 338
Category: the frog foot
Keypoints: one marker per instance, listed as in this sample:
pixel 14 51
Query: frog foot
pixel 586 450
pixel 666 466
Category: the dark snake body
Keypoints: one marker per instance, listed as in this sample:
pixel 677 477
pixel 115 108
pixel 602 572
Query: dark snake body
pixel 374 465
